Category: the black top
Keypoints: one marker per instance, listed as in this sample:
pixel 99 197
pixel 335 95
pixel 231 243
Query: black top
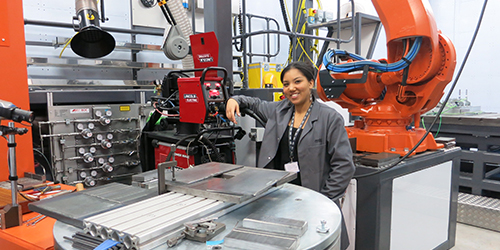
pixel 283 155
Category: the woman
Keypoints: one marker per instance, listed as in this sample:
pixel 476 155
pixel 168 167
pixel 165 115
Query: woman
pixel 302 135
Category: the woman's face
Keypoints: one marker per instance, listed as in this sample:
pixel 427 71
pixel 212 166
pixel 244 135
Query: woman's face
pixel 296 87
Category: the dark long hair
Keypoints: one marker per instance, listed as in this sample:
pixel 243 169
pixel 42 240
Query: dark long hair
pixel 305 68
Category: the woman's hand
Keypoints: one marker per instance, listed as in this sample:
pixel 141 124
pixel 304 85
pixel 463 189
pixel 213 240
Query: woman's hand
pixel 232 107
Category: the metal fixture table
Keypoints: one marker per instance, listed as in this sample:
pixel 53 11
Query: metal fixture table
pixel 290 201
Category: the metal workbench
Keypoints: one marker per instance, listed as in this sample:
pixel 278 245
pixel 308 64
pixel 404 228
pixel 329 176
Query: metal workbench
pixel 290 201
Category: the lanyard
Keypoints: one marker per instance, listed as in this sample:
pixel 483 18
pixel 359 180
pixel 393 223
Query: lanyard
pixel 291 140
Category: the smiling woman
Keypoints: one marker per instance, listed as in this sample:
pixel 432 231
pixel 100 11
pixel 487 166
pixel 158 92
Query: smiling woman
pixel 302 135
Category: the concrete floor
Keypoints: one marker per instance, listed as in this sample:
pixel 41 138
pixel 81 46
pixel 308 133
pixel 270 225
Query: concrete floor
pixel 470 238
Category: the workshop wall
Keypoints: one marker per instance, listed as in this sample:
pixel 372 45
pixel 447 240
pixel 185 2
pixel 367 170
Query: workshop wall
pixel 458 20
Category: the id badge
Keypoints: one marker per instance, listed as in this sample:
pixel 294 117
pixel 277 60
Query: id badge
pixel 292 167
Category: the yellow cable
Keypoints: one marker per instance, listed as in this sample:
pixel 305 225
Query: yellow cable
pixel 290 46
pixel 287 12
pixel 309 57
pixel 66 45
pixel 302 4
pixel 320 6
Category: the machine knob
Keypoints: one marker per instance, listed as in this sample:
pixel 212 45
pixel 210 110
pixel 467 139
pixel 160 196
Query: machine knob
pixel 207 85
pixel 101 160
pixel 88 158
pixel 106 167
pixel 93 173
pixel 86 133
pixel 89 181
pixel 83 174
pixel 106 144
pixel 81 151
pixel 104 121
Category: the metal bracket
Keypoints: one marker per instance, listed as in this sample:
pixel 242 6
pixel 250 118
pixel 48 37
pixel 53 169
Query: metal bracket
pixel 161 174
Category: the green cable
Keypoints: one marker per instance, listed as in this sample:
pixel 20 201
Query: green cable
pixel 439 127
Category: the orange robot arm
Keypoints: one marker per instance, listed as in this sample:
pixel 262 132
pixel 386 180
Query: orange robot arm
pixel 389 102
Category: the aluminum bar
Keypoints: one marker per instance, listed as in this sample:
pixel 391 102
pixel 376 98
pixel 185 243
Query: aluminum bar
pixel 134 214
pixel 199 211
pixel 275 224
pixel 141 204
pixel 139 224
pixel 247 239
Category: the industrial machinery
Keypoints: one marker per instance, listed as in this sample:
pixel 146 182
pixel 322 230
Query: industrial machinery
pixel 93 144
pixel 192 110
pixel 390 94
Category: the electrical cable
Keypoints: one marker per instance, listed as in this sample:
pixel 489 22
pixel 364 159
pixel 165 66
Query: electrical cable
pixel 67 43
pixel 163 114
pixel 187 153
pixel 171 16
pixel 285 18
pixel 361 61
pixel 253 115
pixel 49 165
pixel 444 102
pixel 165 13
pixel 197 136
pixel 240 26
pixel 204 140
pixel 25 197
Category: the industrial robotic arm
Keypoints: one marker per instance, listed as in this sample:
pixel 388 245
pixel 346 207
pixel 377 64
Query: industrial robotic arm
pixel 390 94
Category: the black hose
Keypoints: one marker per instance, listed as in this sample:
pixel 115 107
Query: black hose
pixel 240 26
pixel 212 146
pixel 48 167
pixel 197 137
pixel 444 102
pixel 167 17
pixel 323 49
pixel 253 115
pixel 145 154
pixel 285 18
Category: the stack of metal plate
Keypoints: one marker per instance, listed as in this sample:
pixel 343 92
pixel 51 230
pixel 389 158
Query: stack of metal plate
pixel 150 223
pixel 72 208
pixel 234 186
pixel 186 176
pixel 266 232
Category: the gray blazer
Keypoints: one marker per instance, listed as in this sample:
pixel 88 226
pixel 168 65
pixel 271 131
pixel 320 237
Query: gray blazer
pixel 324 152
